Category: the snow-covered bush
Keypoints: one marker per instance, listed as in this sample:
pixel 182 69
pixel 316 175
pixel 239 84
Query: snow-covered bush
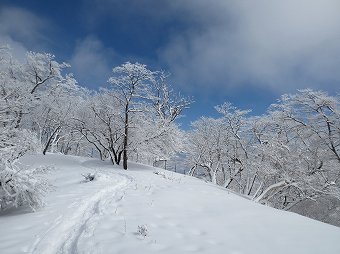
pixel 142 230
pixel 20 186
pixel 168 176
pixel 14 143
pixel 89 177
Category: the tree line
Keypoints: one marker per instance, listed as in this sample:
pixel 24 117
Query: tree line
pixel 288 155
pixel 281 158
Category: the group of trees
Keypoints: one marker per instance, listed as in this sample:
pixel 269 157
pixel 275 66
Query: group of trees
pixel 43 109
pixel 132 118
pixel 286 156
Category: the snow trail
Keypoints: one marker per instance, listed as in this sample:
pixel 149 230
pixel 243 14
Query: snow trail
pixel 64 235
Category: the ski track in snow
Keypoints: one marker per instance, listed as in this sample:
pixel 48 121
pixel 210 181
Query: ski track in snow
pixel 68 230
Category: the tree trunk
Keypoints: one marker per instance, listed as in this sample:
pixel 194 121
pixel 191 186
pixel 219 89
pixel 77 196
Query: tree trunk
pixel 228 182
pixel 192 170
pixel 20 115
pixel 231 178
pixel 126 132
pixel 213 177
pixel 119 157
pixel 50 139
pixel 251 186
pixel 270 188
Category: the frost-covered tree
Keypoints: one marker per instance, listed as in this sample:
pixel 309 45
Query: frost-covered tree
pixel 51 97
pixel 51 116
pixel 145 98
pixel 219 146
pixel 32 91
pixel 99 121
pixel 280 177
pixel 236 125
pixel 131 86
pixel 152 139
pixel 11 98
pixel 289 155
pixel 23 87
pixel 37 77
pixel 207 147
pixel 154 133
pixel 302 144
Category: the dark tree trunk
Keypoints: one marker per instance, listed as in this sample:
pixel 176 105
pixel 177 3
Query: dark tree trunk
pixel 251 186
pixel 50 140
pixel 119 157
pixel 20 115
pixel 126 132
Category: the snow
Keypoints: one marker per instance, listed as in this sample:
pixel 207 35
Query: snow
pixel 148 210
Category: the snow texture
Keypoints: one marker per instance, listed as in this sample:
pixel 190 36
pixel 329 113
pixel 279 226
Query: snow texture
pixel 140 211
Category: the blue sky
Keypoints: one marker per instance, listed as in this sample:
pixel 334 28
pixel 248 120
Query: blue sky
pixel 246 52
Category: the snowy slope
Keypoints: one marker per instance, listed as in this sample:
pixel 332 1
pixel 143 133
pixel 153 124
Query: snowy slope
pixel 179 214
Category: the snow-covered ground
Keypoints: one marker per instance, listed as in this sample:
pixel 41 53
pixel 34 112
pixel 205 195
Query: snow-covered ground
pixel 148 210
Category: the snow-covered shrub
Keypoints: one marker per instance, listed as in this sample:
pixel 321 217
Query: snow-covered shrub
pixel 89 177
pixel 167 176
pixel 15 143
pixel 20 186
pixel 142 230
pixel 159 173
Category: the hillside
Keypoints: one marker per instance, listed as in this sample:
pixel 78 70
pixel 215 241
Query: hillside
pixel 148 210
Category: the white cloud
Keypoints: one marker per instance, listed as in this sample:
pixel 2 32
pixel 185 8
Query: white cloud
pixel 21 30
pixel 91 61
pixel 279 45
